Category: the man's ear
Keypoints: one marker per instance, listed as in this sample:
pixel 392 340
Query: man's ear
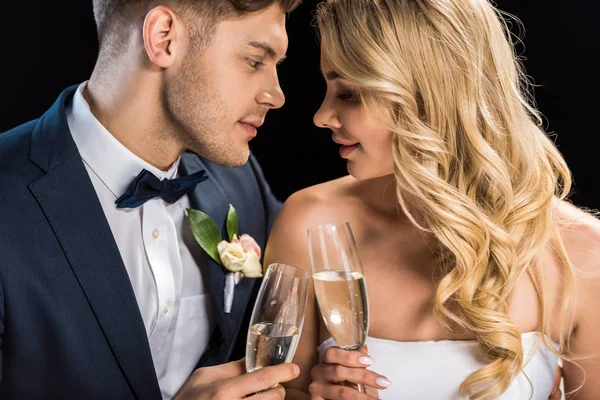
pixel 163 36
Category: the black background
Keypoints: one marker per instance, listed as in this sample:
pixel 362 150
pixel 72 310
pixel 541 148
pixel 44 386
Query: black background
pixel 51 44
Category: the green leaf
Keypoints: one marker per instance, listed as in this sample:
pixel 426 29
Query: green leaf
pixel 205 232
pixel 232 223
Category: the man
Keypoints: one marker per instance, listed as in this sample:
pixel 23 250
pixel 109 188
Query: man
pixel 104 294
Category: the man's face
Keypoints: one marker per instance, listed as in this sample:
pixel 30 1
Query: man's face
pixel 220 94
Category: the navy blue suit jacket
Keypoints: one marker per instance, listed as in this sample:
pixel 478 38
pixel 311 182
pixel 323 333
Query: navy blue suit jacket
pixel 70 326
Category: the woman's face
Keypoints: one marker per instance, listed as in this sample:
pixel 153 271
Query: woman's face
pixel 365 143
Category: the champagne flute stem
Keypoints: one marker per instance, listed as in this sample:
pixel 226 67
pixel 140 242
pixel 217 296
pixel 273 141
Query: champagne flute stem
pixel 357 386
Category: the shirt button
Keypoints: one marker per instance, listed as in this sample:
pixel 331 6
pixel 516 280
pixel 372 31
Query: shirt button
pixel 155 234
pixel 166 309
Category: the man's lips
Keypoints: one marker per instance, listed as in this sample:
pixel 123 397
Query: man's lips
pixel 255 123
pixel 251 127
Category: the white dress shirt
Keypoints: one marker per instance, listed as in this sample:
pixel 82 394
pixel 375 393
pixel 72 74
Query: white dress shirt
pixel 162 259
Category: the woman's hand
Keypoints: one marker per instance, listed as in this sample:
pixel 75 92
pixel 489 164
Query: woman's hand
pixel 340 366
pixel 556 393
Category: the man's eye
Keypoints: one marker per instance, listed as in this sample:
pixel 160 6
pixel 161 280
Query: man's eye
pixel 255 64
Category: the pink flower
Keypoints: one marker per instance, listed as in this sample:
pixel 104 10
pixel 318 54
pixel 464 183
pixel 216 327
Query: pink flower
pixel 241 255
pixel 248 244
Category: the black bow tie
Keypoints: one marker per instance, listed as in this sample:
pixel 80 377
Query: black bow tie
pixel 147 186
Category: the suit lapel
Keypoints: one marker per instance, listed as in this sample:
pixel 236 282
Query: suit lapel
pixel 210 198
pixel 68 199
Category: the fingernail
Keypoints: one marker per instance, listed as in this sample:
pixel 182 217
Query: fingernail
pixel 365 360
pixel 296 369
pixel 383 382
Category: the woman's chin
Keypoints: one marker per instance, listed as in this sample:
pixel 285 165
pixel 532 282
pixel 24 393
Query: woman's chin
pixel 362 173
pixel 354 170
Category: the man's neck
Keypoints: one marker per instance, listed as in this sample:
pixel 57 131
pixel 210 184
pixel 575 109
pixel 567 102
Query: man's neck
pixel 129 108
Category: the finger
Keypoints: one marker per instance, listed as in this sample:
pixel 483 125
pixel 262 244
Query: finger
pixel 330 391
pixel 372 392
pixel 338 373
pixel 364 349
pixel 276 393
pixel 265 378
pixel 556 393
pixel 559 373
pixel 348 358
pixel 221 372
pixel 557 378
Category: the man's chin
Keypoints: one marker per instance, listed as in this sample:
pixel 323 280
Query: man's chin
pixel 229 159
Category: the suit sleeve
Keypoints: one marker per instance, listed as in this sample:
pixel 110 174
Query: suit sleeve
pixel 272 204
pixel 1 326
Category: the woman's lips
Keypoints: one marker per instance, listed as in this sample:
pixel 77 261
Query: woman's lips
pixel 347 147
pixel 347 150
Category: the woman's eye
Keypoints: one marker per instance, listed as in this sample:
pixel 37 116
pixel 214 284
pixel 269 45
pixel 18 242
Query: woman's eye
pixel 351 97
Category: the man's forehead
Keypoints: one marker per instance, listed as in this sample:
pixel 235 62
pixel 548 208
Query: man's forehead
pixel 269 35
pixel 273 42
pixel 271 19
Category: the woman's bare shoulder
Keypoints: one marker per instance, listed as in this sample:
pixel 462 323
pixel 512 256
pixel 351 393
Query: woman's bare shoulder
pixel 323 203
pixel 580 233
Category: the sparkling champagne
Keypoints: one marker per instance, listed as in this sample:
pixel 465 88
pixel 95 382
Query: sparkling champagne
pixel 342 298
pixel 270 344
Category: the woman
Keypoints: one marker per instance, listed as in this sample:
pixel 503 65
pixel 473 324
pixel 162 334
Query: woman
pixel 456 197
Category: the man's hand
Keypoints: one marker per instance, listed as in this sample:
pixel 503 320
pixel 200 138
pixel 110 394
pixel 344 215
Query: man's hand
pixel 230 382
pixel 341 366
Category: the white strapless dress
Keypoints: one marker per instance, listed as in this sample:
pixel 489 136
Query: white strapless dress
pixel 434 370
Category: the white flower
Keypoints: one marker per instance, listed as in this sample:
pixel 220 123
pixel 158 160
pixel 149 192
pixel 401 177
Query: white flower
pixel 232 255
pixel 241 255
pixel 252 267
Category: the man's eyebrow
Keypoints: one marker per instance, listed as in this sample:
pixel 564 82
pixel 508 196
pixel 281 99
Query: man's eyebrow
pixel 268 49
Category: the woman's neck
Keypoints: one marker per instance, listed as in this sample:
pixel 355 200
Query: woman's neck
pixel 381 196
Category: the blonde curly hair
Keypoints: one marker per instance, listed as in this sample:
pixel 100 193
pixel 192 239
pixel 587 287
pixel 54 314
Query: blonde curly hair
pixel 443 77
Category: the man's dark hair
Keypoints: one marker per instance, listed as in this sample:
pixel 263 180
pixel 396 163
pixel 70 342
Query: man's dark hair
pixel 112 16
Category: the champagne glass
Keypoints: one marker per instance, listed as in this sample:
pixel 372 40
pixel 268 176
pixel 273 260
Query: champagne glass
pixel 339 285
pixel 277 317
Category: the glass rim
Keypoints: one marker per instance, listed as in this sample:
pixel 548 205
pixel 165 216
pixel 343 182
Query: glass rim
pixel 327 225
pixel 289 270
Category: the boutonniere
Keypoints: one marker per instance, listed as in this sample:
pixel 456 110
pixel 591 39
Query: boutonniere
pixel 240 256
